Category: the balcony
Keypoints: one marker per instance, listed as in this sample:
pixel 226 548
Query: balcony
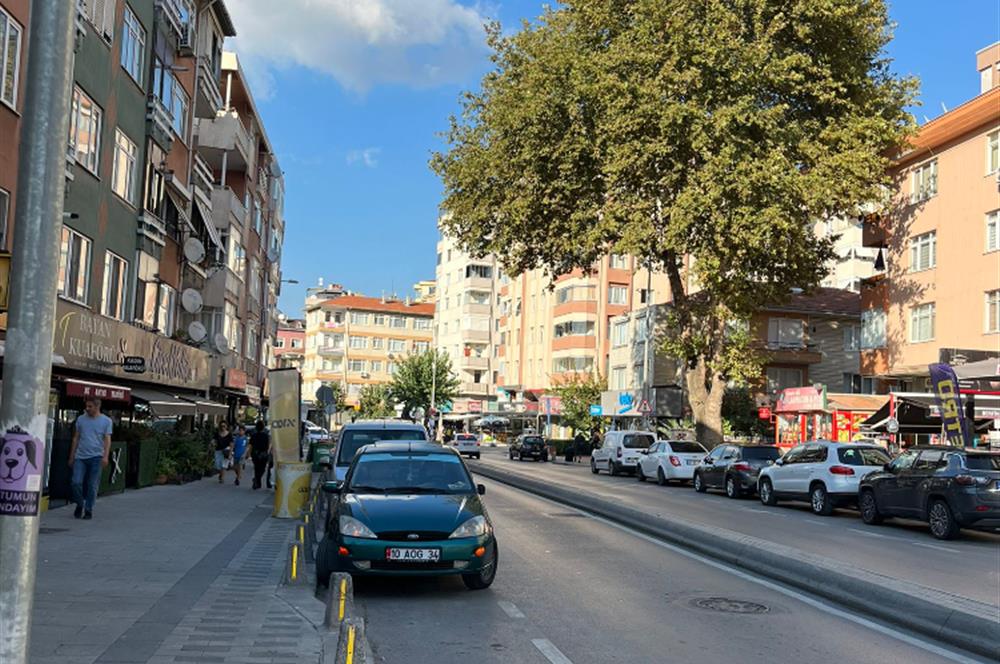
pixel 475 389
pixel 575 341
pixel 203 179
pixel 790 353
pixel 224 281
pixel 474 363
pixel 225 136
pixel 330 351
pixel 476 309
pixel 477 283
pixel 332 324
pixel 176 15
pixel 224 204
pixel 159 123
pixel 874 231
pixel 208 101
pixel 476 335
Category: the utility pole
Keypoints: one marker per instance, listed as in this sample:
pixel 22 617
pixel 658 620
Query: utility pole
pixel 31 316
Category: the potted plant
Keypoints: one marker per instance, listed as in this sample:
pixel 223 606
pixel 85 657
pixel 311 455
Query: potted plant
pixel 166 469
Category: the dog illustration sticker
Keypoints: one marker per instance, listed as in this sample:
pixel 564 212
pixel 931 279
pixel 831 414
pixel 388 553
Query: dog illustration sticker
pixel 21 458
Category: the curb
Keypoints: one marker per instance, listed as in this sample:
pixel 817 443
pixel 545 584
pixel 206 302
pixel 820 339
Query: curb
pixel 963 623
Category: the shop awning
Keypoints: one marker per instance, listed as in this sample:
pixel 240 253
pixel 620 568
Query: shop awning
pixel 206 220
pixel 212 408
pixel 103 391
pixel 917 413
pixel 162 404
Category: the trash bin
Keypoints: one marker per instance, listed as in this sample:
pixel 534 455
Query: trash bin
pixel 321 456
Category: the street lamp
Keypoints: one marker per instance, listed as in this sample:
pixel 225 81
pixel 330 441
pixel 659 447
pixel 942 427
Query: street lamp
pixel 289 281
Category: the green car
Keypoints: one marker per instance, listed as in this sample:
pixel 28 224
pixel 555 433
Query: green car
pixel 408 509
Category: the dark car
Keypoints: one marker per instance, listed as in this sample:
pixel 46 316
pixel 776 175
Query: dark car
pixel 356 435
pixel 408 509
pixel 950 488
pixel 529 446
pixel 734 467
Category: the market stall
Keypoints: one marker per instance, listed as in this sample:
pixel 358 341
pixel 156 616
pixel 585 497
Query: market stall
pixel 810 413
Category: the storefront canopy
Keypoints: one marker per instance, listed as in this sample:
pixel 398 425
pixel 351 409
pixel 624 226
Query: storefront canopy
pixel 917 413
pixel 162 404
pixel 979 370
pixel 212 408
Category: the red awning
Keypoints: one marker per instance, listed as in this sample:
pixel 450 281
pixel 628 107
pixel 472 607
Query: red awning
pixel 103 391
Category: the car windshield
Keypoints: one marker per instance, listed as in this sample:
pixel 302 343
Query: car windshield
pixel 638 441
pixel 761 453
pixel 982 461
pixel 408 472
pixel 354 439
pixel 863 456
pixel 533 440
pixel 686 447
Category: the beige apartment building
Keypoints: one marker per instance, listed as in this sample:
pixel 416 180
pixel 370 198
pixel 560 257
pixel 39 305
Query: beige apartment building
pixel 854 262
pixel 425 292
pixel 939 297
pixel 355 341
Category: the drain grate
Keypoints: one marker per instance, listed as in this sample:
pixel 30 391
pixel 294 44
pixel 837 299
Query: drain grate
pixel 726 605
pixel 49 531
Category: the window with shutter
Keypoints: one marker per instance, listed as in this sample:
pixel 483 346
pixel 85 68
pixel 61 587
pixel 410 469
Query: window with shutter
pixel 993 231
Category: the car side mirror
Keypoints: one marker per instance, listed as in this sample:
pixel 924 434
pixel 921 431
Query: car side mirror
pixel 332 487
pixel 481 489
pixel 708 461
pixel 779 462
pixel 887 466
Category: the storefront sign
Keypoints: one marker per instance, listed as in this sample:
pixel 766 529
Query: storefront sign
pixel 946 389
pixel 91 342
pixel 764 413
pixel 253 393
pixel 235 379
pixel 475 406
pixel 801 399
pixel 21 463
pixel 134 364
pixel 283 414
pixel 83 389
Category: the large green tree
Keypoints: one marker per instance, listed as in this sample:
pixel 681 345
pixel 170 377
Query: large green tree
pixel 704 137
pixel 375 402
pixel 577 393
pixel 413 381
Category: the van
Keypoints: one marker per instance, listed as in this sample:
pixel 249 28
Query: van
pixel 356 435
pixel 621 451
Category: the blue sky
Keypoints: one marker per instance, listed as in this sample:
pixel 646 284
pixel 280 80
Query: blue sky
pixel 354 104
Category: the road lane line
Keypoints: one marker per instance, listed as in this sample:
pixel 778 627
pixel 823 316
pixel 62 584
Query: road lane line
pixel 888 537
pixel 937 546
pixel 510 609
pixel 551 653
pixel 771 512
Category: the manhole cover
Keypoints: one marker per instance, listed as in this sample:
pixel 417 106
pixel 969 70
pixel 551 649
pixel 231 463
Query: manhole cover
pixel 49 531
pixel 726 605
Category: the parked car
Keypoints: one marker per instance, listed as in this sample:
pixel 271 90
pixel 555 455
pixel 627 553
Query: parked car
pixel 947 487
pixel 528 446
pixel 824 473
pixel 734 467
pixel 467 443
pixel 408 508
pixel 621 451
pixel 316 433
pixel 669 460
pixel 356 435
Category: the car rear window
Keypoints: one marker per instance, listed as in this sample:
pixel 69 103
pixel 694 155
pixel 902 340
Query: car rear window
pixel 354 439
pixel 761 453
pixel 638 441
pixel 863 456
pixel 982 461
pixel 533 440
pixel 686 447
pixel 466 437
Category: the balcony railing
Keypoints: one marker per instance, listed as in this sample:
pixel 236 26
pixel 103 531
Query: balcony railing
pixel 208 80
pixel 225 202
pixel 477 389
pixel 176 15
pixel 331 351
pixel 474 362
pixel 201 175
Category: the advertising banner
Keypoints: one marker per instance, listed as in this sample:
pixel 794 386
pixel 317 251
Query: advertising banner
pixel 945 385
pixel 283 414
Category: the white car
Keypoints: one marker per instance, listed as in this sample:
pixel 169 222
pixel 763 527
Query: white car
pixel 621 451
pixel 824 473
pixel 316 433
pixel 668 460
pixel 467 443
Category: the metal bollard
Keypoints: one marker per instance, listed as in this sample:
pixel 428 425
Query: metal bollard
pixel 339 599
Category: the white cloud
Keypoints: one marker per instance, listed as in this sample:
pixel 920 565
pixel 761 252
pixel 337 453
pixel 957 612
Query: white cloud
pixel 367 156
pixel 363 43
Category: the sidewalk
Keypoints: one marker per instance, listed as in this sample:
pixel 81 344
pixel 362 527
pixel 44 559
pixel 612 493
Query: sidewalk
pixel 171 574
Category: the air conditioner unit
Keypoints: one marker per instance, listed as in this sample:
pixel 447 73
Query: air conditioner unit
pixel 185 45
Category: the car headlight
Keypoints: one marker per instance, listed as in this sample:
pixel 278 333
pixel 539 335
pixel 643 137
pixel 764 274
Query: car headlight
pixel 474 527
pixel 351 527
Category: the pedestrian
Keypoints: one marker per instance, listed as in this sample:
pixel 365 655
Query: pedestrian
pixel 239 451
pixel 260 452
pixel 595 440
pixel 223 440
pixel 88 455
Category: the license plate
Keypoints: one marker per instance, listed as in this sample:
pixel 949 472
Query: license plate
pixel 692 462
pixel 412 555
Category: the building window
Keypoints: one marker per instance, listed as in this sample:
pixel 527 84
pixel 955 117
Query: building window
pixel 4 215
pixel 578 364
pixel 619 334
pixel 376 366
pixel 233 330
pixel 296 343
pixel 133 45
pixel 378 343
pixel 993 231
pixel 123 178
pixel 155 196
pixel 785 333
pixel 872 329
pixel 236 256
pixel 175 101
pixel 356 366
pixel 100 14
pixel 379 320
pixel 858 384
pixel 10 58
pixel 421 346
pixel 993 152
pixel 645 296
pixel 618 378
pixel 852 337
pixel 255 284
pixel 574 328
pixel 924 183
pixel 115 278
pixel 923 251
pixel 74 266
pixel 359 318
pixel 478 272
pixel 167 310
pixel 359 343
pixel 422 323
pixel 617 294
pixel 257 217
pixel 397 322
pixel 85 130
pixel 780 378
pixel 390 368
pixel 252 344
pixel 397 345
pixel 280 342
pixel 922 323
pixel 993 311
pixel 618 262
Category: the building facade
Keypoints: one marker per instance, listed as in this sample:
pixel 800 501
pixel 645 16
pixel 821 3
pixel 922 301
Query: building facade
pixel 14 16
pixel 290 345
pixel 854 262
pixel 938 298
pixel 356 341
pixel 425 291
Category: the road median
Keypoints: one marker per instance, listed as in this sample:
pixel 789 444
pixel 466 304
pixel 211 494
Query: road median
pixel 964 623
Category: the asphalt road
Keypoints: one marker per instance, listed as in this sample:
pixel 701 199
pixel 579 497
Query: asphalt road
pixel 572 589
pixel 968 567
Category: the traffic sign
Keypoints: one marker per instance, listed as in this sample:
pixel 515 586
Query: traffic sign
pixel 596 410
pixel 644 408
pixel 892 426
pixel 324 394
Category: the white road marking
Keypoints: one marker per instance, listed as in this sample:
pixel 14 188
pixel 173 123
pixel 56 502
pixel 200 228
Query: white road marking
pixel 937 546
pixel 871 534
pixel 788 592
pixel 817 521
pixel 510 609
pixel 771 512
pixel 551 653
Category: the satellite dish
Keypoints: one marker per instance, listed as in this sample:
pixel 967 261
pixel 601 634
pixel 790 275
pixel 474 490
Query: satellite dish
pixel 221 343
pixel 273 255
pixel 197 331
pixel 191 300
pixel 194 250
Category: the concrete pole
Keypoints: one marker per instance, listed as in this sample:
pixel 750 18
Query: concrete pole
pixel 31 316
pixel 647 369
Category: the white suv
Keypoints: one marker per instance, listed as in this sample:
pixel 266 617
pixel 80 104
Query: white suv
pixel 467 443
pixel 621 451
pixel 824 473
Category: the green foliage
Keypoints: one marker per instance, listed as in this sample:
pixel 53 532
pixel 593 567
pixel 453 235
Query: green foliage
pixel 739 414
pixel 411 384
pixel 190 454
pixel 339 398
pixel 578 392
pixel 375 402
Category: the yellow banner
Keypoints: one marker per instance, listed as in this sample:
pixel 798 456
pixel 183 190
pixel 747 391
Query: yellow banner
pixel 283 414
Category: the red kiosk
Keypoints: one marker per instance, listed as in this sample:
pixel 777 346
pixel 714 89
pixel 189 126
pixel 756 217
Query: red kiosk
pixel 809 413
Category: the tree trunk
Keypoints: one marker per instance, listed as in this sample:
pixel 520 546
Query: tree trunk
pixel 705 392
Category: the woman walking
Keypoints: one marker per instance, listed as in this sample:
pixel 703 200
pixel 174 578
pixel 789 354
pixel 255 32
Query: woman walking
pixel 239 451
pixel 223 449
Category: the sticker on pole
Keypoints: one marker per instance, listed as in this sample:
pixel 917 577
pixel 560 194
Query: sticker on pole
pixel 21 460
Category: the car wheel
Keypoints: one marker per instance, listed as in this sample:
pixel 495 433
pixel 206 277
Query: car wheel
pixel 593 466
pixel 478 456
pixel 483 579
pixel 324 563
pixel 661 479
pixel 612 468
pixel 767 492
pixel 639 475
pixel 869 508
pixel 520 457
pixel 942 521
pixel 732 489
pixel 820 501
pixel 699 484
pixel 511 455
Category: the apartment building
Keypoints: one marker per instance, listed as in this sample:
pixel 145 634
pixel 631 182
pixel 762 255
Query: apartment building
pixel 467 325
pixel 356 341
pixel 14 16
pixel 290 345
pixel 938 298
pixel 425 291
pixel 854 262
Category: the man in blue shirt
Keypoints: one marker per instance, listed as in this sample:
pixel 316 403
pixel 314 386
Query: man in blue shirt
pixel 88 455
